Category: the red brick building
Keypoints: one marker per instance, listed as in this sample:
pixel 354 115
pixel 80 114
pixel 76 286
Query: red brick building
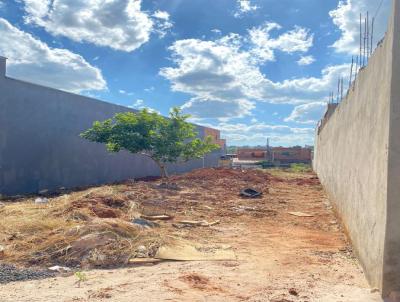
pixel 283 155
pixel 216 137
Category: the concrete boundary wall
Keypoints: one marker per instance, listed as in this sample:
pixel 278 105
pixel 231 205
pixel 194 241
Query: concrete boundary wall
pixel 357 158
pixel 40 147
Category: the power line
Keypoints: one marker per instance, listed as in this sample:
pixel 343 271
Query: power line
pixel 378 9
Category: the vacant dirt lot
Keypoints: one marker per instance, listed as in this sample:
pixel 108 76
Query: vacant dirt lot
pixel 281 256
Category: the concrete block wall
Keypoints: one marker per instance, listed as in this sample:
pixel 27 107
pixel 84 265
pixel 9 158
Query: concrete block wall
pixel 40 147
pixel 357 158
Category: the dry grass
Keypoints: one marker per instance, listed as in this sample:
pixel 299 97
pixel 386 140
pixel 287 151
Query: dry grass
pixel 89 228
pixel 93 227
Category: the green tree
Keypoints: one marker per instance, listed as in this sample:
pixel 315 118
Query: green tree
pixel 164 140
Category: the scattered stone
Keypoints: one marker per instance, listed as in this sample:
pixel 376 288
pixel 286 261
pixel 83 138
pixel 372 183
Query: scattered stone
pixel 169 186
pixel 41 200
pixel 59 269
pixel 10 273
pixel 141 252
pixel 2 249
pixel 145 223
pixel 293 292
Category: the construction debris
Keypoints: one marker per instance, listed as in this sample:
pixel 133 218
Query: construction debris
pixel 145 223
pixel 250 193
pixel 301 214
pixel 202 223
pixel 157 217
pixel 60 269
pixel 110 225
pixel 144 260
pixel 41 200
pixel 10 273
pixel 189 251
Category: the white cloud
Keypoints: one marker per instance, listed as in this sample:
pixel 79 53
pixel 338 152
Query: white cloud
pixel 161 15
pixel 162 22
pixel 121 91
pixel 119 24
pixel 297 40
pixel 347 18
pixel 306 60
pixel 32 60
pixel 307 113
pixel 149 89
pixel 139 104
pixel 244 7
pixel 226 71
pixel 217 109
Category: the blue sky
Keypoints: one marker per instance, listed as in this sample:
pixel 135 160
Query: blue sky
pixel 251 68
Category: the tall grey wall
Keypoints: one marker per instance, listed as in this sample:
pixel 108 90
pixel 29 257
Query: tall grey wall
pixel 40 147
pixel 357 158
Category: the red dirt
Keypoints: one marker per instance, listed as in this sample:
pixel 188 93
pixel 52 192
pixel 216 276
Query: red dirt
pixel 281 257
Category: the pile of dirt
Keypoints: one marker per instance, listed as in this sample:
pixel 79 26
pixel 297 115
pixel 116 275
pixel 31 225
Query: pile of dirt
pixel 233 175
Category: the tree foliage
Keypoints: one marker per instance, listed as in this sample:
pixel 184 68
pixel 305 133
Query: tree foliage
pixel 165 140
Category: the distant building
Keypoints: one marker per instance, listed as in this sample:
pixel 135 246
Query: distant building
pixel 278 155
pixel 216 137
pixel 252 153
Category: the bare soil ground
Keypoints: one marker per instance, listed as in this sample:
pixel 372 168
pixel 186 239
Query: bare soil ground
pixel 280 257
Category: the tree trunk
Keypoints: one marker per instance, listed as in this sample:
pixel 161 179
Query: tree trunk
pixel 162 166
pixel 164 173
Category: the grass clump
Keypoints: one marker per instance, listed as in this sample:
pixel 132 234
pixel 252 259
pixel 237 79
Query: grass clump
pixel 300 168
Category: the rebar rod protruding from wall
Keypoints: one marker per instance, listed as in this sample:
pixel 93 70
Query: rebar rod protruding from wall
pixel 356 70
pixel 365 40
pixel 367 32
pixel 341 88
pixel 372 34
pixel 361 63
pixel 351 71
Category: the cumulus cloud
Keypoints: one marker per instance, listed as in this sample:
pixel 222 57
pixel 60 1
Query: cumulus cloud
pixel 226 71
pixel 244 7
pixel 139 104
pixel 162 22
pixel 218 109
pixel 306 60
pixel 307 113
pixel 347 18
pixel 119 24
pixel 297 40
pixel 32 60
